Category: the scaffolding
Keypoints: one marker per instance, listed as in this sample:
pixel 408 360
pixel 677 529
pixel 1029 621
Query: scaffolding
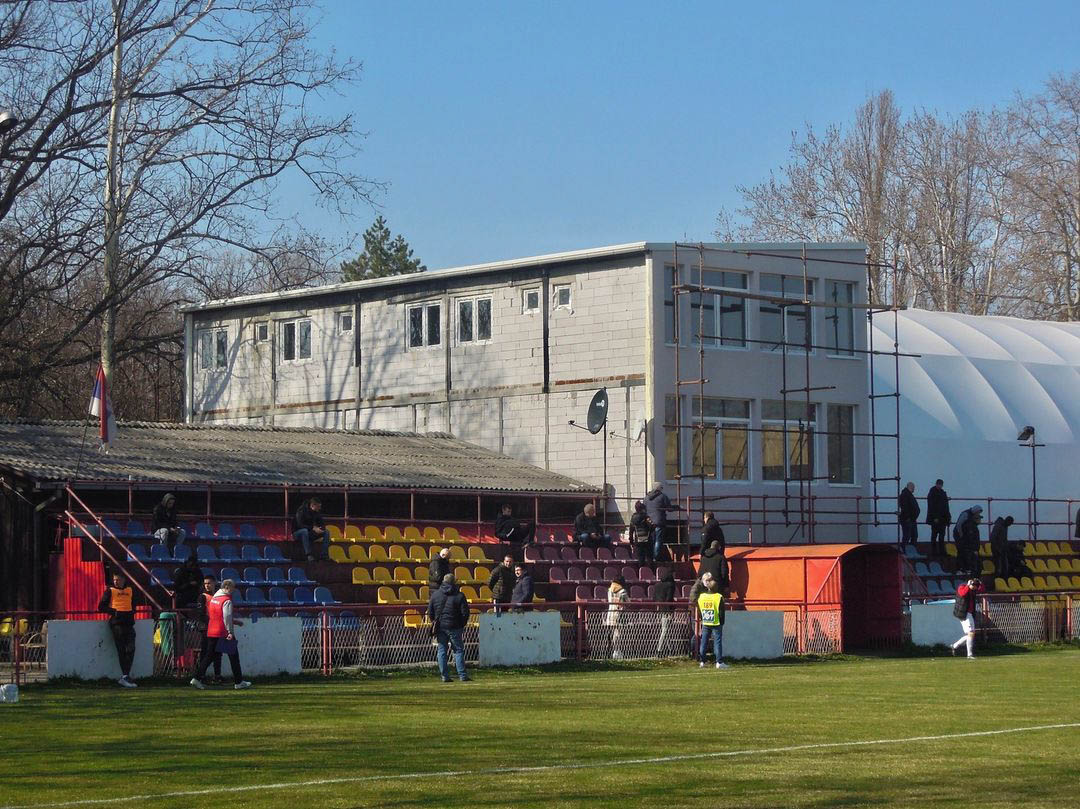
pixel 798 509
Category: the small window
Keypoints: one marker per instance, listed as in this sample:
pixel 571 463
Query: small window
pixel 262 332
pixel 530 301
pixel 474 320
pixel 561 296
pixel 213 349
pixel 296 340
pixel 345 320
pixel 423 323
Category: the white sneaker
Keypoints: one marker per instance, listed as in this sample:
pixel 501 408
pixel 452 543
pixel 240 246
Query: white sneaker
pixel 722 665
pixel 242 685
pixel 971 657
pixel 126 683
pixel 197 683
pixel 701 665
pixel 616 655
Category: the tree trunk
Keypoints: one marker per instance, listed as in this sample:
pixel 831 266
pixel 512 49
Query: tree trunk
pixel 112 182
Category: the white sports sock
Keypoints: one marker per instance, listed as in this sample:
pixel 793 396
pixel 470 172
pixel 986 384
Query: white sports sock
pixel 970 639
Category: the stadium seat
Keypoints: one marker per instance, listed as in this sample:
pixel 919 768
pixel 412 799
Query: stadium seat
pixel 932 587
pixel 381 574
pixel 1040 582
pixel 586 554
pixel 485 593
pixel 637 592
pixel 181 553
pixel 574 574
pixel 411 534
pixel 987 567
pixel 225 530
pixel 1036 549
pixel 481 573
pixel 936 569
pixel 392 534
pixel 397 553
pixel 476 553
pixel 610 572
pixel 470 593
pixel 250 553
pixel 162 575
pixel 276 575
pixel 357 554
pixel 403 574
pixel 463 575
pixel 136 550
pixel 352 534
pixel 373 533
pixel 557 574
pixel 1038 565
pixel 278 595
pixel 593 573
pixel 254 595
pixel 1076 582
pixel 583 592
pixel 686 588
pixel 334 534
pixel 1052 566
pixel 450 534
pixel 206 553
pixel 950 548
pixel 1000 585
pixel 420 573
pixel 622 553
pixel 1026 584
pixel 533 554
pixel 135 528
pixel 552 553
pixel 377 553
pixel 115 526
pixel 599 592
pixel 408 595
pixel 418 553
pixel 629 573
pixel 984 550
pixel 227 553
pixel 253 577
pixel 303 595
pixel 336 553
pixel 921 569
pixel 272 553
pixel 323 595
pixel 203 530
pixel 432 534
pixel 645 574
pixel 413 619
pixel 1013 584
pixel 1052 583
pixel 457 552
pixel 247 531
pixel 361 575
pixel 568 554
pixel 604 555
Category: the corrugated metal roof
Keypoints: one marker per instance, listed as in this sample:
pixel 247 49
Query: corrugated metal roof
pixel 270 456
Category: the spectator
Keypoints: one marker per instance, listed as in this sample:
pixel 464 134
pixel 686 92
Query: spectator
pixel 999 545
pixel 439 567
pixel 501 582
pixel 909 512
pixel 712 532
pixel 448 611
pixel 166 528
pixel 641 532
pixel 510 529
pixel 1017 563
pixel 714 563
pixel 523 587
pixel 202 622
pixel 700 586
pixel 711 606
pixel 219 631
pixel 965 609
pixel 966 537
pixel 587 528
pixel 118 601
pixel 664 592
pixel 937 516
pixel 657 505
pixel 308 528
pixel 617 597
pixel 187 582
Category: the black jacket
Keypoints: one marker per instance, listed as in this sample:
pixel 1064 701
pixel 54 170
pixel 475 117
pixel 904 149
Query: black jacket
pixel 640 526
pixel 583 524
pixel 1076 533
pixel 187 584
pixel 715 563
pixel 164 517
pixel 712 532
pixel 438 568
pixel 306 518
pixel 999 535
pixel 448 608
pixel 502 583
pixel 909 506
pixel 937 506
pixel 966 530
pixel 656 505
pixel 118 618
pixel 504 525
pixel 664 591
pixel 523 590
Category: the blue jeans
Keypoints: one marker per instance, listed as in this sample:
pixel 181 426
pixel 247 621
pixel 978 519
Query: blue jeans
pixel 604 540
pixel 717 633
pixel 451 638
pixel 657 542
pixel 305 538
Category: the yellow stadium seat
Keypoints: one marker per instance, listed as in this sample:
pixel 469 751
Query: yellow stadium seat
pixel 1000 585
pixel 984 549
pixel 987 567
pixel 1040 583
pixel 1076 582
pixel 412 534
pixel 377 553
pixel 403 574
pixel 476 553
pixel 950 548
pixel 537 599
pixel 1014 584
pixel 7 627
pixel 387 596
pixel 357 553
pixel 486 594
pixel 1026 583
pixel 450 534
pixel 352 533
pixel 463 575
pixel 431 534
pixel 1052 583
pixel 408 594
pixel 1038 565
pixel 469 593
pixel 1075 565
pixel 420 573
pixel 397 553
pixel 481 573
pixel 425 593
pixel 1052 566
pixel 1070 565
pixel 392 533
pixel 418 553
pixel 337 554
pixel 381 574
pixel 413 619
pixel 1067 549
pixel 373 533
pixel 457 552
pixel 361 575
pixel 334 533
pixel 1037 549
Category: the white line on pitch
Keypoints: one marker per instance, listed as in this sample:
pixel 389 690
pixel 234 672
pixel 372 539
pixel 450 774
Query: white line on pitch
pixel 585 765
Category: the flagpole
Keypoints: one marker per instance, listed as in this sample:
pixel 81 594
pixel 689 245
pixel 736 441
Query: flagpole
pixel 82 446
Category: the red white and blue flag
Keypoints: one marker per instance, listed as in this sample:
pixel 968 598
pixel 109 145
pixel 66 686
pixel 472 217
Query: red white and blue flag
pixel 101 409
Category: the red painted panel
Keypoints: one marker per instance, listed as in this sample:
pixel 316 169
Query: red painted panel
pixel 84 581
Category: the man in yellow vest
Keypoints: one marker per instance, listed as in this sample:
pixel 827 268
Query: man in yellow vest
pixel 711 607
pixel 119 602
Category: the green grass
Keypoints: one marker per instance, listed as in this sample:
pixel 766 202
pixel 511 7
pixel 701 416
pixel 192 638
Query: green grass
pixel 99 742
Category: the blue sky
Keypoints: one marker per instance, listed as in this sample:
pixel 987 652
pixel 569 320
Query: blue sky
pixel 517 128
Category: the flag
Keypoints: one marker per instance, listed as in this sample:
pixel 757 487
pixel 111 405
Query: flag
pixel 101 409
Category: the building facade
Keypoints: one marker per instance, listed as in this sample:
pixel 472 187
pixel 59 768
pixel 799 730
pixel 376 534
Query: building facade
pixel 507 354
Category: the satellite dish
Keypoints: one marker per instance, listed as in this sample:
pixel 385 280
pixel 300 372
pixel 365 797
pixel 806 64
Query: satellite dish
pixel 598 411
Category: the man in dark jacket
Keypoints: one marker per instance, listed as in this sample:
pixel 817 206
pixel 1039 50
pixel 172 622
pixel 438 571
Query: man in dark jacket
pixel 908 515
pixel 118 601
pixel 966 537
pixel 937 516
pixel 656 506
pixel 165 526
pixel 523 587
pixel 501 582
pixel 587 528
pixel 308 528
pixel 439 567
pixel 187 582
pixel 999 545
pixel 712 532
pixel 510 529
pixel 641 532
pixel 448 611
pixel 714 562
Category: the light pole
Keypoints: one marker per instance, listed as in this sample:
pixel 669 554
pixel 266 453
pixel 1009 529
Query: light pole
pixel 1028 435
pixel 8 121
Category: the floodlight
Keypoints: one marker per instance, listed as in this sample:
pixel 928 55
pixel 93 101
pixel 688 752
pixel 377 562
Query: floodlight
pixel 1026 433
pixel 8 121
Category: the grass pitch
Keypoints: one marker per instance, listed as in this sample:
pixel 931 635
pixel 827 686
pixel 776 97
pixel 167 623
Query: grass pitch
pixel 792 734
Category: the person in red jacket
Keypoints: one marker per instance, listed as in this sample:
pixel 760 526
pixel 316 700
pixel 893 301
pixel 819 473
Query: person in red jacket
pixel 220 623
pixel 965 609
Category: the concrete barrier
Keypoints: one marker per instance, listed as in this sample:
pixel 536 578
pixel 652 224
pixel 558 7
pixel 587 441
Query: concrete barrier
pixel 268 646
pixel 754 634
pixel 85 649
pixel 519 639
pixel 932 624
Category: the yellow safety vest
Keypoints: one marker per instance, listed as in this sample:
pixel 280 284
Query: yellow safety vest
pixel 120 600
pixel 711 606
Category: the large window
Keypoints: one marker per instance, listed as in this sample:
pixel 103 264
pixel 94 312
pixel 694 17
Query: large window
pixel 213 349
pixel 423 324
pixel 474 320
pixel 295 340
pixel 785 323
pixel 840 320
pixel 787 440
pixel 723 317
pixel 841 443
pixel 721 450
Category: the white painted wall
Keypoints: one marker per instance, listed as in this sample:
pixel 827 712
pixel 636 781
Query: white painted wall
pixel 754 634
pixel 85 649
pixel 932 624
pixel 519 639
pixel 267 647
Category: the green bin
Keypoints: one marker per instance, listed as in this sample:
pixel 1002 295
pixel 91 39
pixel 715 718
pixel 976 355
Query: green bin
pixel 166 627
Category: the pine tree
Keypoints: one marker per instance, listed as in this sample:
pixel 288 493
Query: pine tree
pixel 382 256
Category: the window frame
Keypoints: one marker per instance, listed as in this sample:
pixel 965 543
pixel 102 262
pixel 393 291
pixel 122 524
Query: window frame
pixel 264 327
pixel 297 323
pixel 786 426
pixel 525 293
pixel 473 302
pixel 555 290
pixel 425 308
pixel 830 407
pixel 213 344
pixel 785 311
pixel 721 423
pixel 834 313
pixel 340 321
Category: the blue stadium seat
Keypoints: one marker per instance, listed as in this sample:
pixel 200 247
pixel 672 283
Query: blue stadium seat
pixel 204 530
pixel 936 569
pixel 921 569
pixel 226 531
pixel 206 553
pixel 162 575
pixel 272 553
pixel 275 575
pixel 250 553
pixel 159 552
pixel 303 595
pixel 247 531
pixel 278 595
pixel 911 552
pixel 115 527
pixel 324 596
pixel 137 551
pixel 298 576
pixel 253 576
pixel 232 573
pixel 181 553
pixel 135 528
pixel 254 595
pixel 227 553
pixel 933 588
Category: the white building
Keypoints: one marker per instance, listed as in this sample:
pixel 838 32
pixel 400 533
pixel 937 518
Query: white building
pixel 505 354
